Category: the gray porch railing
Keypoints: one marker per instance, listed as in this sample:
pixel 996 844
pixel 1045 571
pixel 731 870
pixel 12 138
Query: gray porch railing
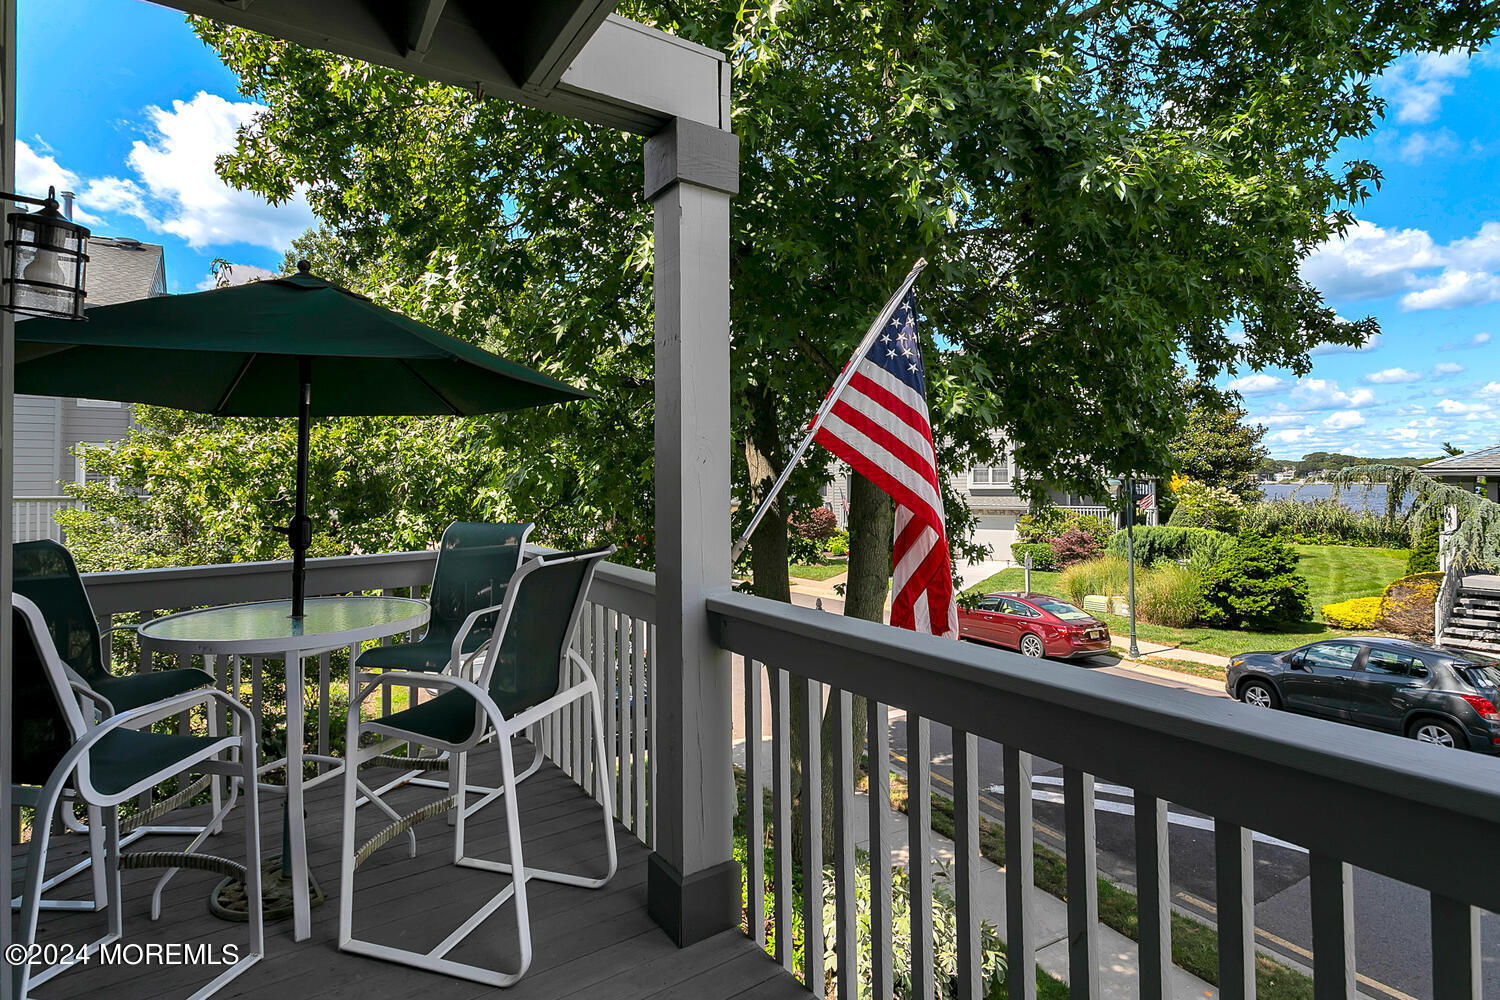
pixel 1340 792
pixel 617 637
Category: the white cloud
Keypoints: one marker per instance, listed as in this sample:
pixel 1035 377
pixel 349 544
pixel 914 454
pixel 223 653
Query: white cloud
pixel 1455 408
pixel 172 187
pixel 1417 84
pixel 1343 420
pixel 1478 340
pixel 175 165
pixel 1371 261
pixel 1291 435
pixel 1390 376
pixel 1491 389
pixel 1454 289
pixel 1254 385
pixel 237 274
pixel 1313 394
pixel 1447 368
pixel 36 172
pixel 1418 146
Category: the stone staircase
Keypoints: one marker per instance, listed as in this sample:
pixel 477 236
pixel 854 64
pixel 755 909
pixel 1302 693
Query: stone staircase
pixel 1475 622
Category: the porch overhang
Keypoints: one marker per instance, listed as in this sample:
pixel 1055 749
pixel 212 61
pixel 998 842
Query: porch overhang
pixel 572 57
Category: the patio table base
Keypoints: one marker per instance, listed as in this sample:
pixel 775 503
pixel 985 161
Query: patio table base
pixel 229 900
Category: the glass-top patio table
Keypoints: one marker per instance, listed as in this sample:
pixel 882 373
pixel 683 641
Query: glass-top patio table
pixel 266 628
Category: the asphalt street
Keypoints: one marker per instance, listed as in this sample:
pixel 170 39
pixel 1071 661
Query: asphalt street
pixel 1392 935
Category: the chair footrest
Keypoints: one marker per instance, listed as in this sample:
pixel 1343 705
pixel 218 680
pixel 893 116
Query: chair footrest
pixel 169 804
pixel 408 763
pixel 178 859
pixel 411 819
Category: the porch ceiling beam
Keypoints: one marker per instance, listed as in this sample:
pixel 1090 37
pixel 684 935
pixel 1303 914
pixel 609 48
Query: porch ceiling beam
pixel 422 22
pixel 575 58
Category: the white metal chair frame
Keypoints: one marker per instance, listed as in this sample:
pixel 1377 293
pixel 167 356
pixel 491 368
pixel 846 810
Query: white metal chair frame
pixel 73 770
pixel 489 722
pixel 461 666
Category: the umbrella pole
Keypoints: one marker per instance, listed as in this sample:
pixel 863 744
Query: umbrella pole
pixel 299 532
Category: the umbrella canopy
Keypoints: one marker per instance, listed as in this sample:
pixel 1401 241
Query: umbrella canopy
pixel 238 352
pixel 294 346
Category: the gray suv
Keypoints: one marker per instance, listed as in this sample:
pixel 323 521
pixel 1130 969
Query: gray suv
pixel 1442 696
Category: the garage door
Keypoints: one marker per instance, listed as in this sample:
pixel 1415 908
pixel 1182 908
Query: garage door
pixel 998 531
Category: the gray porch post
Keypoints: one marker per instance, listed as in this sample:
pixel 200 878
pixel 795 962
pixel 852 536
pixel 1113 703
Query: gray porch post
pixel 692 883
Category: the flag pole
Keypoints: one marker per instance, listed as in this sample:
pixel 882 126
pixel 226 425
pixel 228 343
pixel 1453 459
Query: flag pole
pixel 826 408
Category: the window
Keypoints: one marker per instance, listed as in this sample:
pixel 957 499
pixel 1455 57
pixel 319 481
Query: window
pixel 990 475
pixel 989 604
pixel 1331 655
pixel 1387 663
pixel 1019 609
pixel 1063 610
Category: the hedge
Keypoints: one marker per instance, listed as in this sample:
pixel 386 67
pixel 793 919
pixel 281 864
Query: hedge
pixel 1357 612
pixel 1042 557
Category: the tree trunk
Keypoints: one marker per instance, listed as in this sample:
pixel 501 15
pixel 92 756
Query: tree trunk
pixel 871 525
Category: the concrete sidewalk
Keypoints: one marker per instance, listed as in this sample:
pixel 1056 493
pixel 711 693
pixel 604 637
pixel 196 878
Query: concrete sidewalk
pixel 1118 955
pixel 1150 649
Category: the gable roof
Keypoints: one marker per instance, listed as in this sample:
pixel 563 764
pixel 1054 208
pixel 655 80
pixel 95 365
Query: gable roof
pixel 121 269
pixel 1484 462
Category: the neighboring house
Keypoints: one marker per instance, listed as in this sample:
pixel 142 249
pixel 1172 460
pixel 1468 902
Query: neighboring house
pixel 991 494
pixel 1478 471
pixel 49 430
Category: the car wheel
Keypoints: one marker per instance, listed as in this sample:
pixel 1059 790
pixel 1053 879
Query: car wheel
pixel 1032 646
pixel 1436 732
pixel 1259 694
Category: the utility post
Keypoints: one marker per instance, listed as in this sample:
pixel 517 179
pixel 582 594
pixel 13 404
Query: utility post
pixel 1135 650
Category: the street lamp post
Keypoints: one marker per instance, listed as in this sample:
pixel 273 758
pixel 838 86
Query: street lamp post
pixel 1135 650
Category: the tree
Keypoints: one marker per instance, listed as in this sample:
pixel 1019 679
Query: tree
pixel 1217 447
pixel 1476 540
pixel 1102 189
pixel 1451 451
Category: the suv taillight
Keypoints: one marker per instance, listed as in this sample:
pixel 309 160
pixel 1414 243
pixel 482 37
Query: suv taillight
pixel 1483 706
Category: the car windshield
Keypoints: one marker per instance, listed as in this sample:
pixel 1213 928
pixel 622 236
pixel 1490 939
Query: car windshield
pixel 1063 610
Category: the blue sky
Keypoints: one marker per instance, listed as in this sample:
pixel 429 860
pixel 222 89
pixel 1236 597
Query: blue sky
pixel 120 102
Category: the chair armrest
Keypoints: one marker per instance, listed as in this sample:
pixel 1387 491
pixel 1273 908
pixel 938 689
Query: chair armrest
pixel 168 707
pixel 82 689
pixel 455 651
pixel 402 679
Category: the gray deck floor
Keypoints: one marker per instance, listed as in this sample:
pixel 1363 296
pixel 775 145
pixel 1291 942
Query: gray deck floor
pixel 595 943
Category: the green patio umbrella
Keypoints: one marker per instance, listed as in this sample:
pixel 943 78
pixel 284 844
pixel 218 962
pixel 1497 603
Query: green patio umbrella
pixel 294 346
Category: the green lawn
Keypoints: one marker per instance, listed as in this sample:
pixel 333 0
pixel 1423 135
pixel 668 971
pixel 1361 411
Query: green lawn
pixel 1333 572
pixel 820 572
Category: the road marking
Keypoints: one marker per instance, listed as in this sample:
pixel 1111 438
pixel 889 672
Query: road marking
pixel 982 797
pixel 1297 949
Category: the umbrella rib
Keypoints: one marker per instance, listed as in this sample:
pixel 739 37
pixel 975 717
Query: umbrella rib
pixel 235 384
pixel 432 388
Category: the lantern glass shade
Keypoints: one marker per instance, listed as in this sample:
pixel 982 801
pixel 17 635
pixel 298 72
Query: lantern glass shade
pixel 48 256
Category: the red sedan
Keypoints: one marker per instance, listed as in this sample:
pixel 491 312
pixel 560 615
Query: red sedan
pixel 1036 624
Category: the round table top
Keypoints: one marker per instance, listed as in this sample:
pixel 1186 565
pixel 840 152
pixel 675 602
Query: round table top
pixel 268 626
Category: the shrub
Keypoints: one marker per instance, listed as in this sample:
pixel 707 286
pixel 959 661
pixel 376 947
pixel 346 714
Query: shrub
pixel 1105 575
pixel 1326 521
pixel 1168 595
pixel 1074 546
pixel 1052 522
pixel 1202 506
pixel 807 531
pixel 838 545
pixel 1161 543
pixel 1041 555
pixel 1424 555
pixel 1406 605
pixel 1357 612
pixel 1255 586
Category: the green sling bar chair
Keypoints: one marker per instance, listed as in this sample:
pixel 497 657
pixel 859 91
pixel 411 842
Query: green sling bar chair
pixel 110 762
pixel 523 680
pixel 475 562
pixel 45 573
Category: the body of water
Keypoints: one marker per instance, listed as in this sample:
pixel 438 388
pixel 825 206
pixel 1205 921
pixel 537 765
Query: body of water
pixel 1370 498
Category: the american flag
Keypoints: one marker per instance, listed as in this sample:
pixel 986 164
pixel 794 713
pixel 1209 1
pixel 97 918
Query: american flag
pixel 879 425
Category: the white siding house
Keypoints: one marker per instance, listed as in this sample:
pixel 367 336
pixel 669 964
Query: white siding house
pixel 49 430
